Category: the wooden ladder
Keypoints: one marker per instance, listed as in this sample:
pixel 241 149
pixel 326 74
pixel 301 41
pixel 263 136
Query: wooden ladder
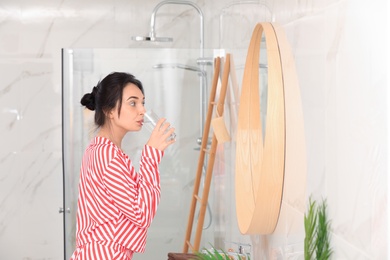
pixel 211 152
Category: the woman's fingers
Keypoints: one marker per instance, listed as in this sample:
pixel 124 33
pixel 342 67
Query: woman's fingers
pixel 162 135
pixel 162 125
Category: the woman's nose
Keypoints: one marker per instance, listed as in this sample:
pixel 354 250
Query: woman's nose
pixel 142 110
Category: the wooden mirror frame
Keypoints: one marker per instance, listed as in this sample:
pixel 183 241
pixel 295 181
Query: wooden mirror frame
pixel 260 164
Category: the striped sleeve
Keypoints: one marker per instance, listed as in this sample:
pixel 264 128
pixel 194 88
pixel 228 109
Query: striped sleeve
pixel 136 195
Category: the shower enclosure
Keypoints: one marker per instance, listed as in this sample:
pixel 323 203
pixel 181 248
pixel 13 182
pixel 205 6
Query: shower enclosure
pixel 172 81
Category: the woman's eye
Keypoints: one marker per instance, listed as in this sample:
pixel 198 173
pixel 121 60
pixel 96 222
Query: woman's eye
pixel 132 104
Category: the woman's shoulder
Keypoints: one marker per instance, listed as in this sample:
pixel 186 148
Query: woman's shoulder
pixel 103 148
pixel 99 140
pixel 106 148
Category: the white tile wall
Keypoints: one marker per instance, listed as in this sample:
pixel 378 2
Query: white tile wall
pixel 339 48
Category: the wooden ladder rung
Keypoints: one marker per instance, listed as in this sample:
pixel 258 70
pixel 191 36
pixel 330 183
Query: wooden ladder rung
pixel 189 245
pixel 197 197
pixel 206 151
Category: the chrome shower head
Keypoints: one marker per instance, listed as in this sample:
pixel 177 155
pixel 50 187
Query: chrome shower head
pixel 152 34
pixel 151 39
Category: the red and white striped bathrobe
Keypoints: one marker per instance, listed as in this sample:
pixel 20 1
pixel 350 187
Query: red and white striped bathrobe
pixel 116 205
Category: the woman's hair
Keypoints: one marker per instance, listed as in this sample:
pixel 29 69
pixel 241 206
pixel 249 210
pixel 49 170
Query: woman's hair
pixel 107 94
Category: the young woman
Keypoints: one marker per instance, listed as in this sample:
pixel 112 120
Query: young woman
pixel 116 204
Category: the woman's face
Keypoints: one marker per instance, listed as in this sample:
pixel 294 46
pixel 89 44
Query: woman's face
pixel 132 111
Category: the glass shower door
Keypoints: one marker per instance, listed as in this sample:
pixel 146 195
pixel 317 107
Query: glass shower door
pixel 175 86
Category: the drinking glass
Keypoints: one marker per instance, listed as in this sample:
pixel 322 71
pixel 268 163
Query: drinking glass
pixel 150 121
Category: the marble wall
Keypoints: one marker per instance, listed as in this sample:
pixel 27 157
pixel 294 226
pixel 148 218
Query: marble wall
pixel 339 48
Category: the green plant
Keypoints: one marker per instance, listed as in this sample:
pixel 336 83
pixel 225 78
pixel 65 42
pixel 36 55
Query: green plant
pixel 214 254
pixel 310 222
pixel 323 250
pixel 317 228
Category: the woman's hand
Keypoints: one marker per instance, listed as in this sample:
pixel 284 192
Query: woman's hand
pixel 161 135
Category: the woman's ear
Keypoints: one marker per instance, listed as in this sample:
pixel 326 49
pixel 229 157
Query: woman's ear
pixel 109 114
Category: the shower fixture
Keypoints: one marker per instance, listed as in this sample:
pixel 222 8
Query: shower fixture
pixel 180 66
pixel 152 34
pixel 200 61
pixel 152 39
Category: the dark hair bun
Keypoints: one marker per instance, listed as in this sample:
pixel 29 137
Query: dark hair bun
pixel 88 100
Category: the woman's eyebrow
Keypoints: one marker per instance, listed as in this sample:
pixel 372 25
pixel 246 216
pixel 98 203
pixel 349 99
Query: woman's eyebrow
pixel 135 97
